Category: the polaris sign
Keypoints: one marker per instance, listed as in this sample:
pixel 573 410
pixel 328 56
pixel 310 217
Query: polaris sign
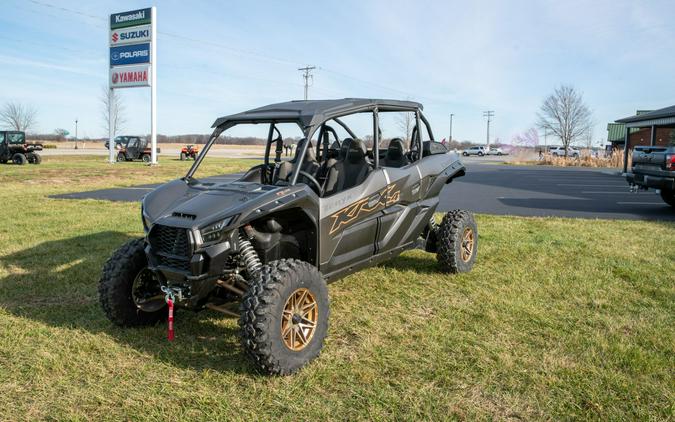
pixel 134 34
pixel 132 18
pixel 130 54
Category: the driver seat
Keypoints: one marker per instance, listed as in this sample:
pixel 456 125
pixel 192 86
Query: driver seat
pixel 351 170
pixel 309 164
pixel 395 156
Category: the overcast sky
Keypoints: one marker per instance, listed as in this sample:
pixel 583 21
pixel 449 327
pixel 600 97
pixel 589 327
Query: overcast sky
pixel 217 58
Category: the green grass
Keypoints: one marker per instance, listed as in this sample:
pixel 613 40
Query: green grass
pixel 560 319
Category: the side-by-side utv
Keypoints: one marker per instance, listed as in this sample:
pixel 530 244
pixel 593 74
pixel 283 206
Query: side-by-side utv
pixel 272 239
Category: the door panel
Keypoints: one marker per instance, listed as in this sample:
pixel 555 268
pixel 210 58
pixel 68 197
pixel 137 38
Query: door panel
pixel 398 216
pixel 349 222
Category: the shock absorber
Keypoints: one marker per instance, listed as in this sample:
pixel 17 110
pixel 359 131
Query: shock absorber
pixel 249 256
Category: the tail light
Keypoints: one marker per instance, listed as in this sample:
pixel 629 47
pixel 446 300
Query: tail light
pixel 670 162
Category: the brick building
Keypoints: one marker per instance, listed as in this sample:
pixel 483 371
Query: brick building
pixel 656 128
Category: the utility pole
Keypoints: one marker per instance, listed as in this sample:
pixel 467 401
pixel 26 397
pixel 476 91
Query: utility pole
pixel 76 133
pixel 450 138
pixel 489 114
pixel 307 76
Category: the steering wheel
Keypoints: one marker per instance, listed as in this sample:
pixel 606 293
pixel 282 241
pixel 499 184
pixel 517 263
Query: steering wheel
pixel 311 179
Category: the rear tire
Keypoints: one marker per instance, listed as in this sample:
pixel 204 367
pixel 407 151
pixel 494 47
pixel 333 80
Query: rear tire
pixel 19 159
pixel 457 242
pixel 668 197
pixel 282 339
pixel 116 288
pixel 145 158
pixel 183 156
pixel 34 158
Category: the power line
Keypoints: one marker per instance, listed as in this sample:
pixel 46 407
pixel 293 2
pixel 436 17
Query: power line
pixel 307 76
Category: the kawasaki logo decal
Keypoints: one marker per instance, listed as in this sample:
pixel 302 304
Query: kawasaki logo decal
pixel 376 202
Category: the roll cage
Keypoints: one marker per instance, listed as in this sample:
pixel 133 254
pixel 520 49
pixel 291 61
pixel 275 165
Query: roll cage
pixel 310 124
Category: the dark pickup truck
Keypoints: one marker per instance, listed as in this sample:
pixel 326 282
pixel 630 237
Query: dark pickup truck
pixel 654 167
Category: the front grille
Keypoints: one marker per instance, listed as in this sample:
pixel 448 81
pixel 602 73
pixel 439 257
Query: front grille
pixel 169 240
pixel 179 264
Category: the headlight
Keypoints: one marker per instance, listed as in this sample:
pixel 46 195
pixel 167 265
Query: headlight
pixel 214 232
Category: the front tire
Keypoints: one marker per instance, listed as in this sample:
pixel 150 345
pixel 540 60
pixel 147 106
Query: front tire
pixel 34 158
pixel 19 159
pixel 284 316
pixel 121 157
pixel 668 197
pixel 128 292
pixel 457 242
pixel 183 156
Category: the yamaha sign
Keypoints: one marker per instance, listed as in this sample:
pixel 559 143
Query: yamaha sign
pixel 132 49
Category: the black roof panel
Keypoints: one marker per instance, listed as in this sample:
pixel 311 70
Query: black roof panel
pixel 656 114
pixel 313 111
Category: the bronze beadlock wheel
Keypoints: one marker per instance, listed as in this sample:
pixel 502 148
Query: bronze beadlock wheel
pixel 146 292
pixel 468 242
pixel 299 319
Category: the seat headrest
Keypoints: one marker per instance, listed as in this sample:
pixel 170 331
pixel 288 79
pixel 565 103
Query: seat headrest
pixel 309 155
pixel 356 151
pixel 396 149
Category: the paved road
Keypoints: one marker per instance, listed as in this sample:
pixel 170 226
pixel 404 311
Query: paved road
pixel 515 190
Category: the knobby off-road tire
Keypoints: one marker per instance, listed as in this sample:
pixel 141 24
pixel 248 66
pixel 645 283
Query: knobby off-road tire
pixel 668 197
pixel 457 242
pixel 34 158
pixel 146 158
pixel 116 283
pixel 121 158
pixel 263 316
pixel 183 156
pixel 19 159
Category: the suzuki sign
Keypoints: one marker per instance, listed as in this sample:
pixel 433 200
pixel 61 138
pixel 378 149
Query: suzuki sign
pixel 130 76
pixel 134 34
pixel 130 54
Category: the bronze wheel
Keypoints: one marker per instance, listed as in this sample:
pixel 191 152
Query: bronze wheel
pixel 299 319
pixel 468 242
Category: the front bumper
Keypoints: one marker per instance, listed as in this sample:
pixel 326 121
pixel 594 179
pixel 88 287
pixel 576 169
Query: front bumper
pixel 649 181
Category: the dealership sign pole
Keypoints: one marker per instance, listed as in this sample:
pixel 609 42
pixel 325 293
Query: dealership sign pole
pixel 133 50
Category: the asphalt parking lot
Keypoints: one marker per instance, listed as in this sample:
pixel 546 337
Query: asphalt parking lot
pixel 513 190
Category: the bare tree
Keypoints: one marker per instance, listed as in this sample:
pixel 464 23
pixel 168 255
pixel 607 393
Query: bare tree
pixel 406 122
pixel 112 111
pixel 529 138
pixel 17 116
pixel 565 115
pixel 61 133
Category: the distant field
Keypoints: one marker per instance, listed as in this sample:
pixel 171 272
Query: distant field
pixel 560 319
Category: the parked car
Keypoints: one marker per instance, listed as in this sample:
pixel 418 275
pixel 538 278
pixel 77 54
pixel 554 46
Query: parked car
pixel 560 152
pixel 271 240
pixel 479 151
pixel 654 167
pixel 495 151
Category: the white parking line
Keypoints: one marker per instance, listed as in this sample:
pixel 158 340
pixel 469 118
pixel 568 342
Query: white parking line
pixel 584 185
pixel 640 203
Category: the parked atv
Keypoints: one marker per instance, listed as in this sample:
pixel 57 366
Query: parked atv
pixel 189 151
pixel 13 146
pixel 136 148
pixel 271 240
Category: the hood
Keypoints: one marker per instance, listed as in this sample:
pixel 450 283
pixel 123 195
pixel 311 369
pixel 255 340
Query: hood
pixel 190 205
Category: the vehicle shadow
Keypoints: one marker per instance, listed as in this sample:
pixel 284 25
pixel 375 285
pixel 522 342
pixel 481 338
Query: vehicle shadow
pixel 56 284
pixel 415 260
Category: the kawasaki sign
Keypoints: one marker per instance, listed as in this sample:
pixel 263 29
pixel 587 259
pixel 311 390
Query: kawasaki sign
pixel 132 18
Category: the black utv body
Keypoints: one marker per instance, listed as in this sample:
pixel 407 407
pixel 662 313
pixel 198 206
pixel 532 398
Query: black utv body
pixel 13 146
pixel 272 239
